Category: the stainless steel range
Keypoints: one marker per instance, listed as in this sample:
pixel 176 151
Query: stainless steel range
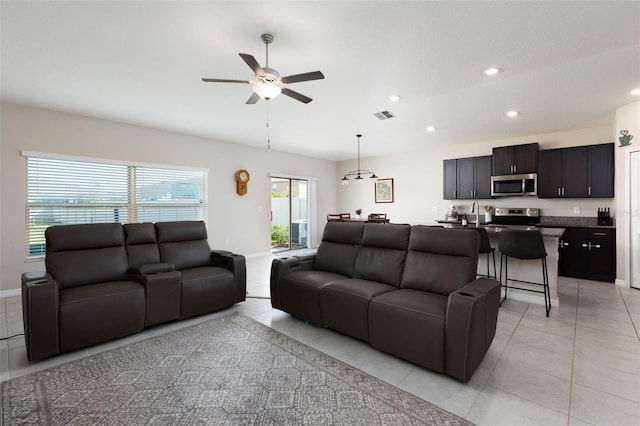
pixel 516 216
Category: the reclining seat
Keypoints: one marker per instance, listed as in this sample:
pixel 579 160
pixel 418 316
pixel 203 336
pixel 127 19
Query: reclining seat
pixel 344 304
pixel 210 281
pixel 85 297
pixel 440 317
pixel 296 281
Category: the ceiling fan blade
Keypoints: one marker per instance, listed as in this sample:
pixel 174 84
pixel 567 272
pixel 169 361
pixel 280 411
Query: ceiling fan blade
pixel 315 75
pixel 222 80
pixel 253 64
pixel 253 99
pixel 295 95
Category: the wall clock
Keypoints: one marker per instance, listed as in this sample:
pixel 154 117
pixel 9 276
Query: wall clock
pixel 242 179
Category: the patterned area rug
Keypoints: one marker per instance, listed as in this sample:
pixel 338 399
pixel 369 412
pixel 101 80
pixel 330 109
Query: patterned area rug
pixel 228 370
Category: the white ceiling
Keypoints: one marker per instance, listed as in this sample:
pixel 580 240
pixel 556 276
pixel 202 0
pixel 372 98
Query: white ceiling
pixel 565 65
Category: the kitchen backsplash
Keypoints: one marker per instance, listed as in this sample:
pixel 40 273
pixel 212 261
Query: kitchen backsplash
pixel 571 221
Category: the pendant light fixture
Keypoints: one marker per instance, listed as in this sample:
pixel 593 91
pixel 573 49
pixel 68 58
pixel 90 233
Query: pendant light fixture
pixel 359 172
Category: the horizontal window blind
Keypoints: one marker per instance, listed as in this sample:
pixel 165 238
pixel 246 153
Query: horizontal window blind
pixel 64 192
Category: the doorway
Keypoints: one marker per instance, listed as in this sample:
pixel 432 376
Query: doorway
pixel 289 214
pixel 635 218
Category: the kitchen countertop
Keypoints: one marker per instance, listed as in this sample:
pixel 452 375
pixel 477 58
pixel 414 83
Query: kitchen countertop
pixel 494 229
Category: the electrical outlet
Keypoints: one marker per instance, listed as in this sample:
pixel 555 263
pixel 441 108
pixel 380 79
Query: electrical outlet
pixel 576 210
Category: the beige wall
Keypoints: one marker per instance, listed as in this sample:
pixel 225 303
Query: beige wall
pixel 418 180
pixel 627 118
pixel 230 217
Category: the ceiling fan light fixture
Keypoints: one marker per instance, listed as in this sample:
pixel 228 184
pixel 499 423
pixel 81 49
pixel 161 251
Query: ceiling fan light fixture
pixel 267 90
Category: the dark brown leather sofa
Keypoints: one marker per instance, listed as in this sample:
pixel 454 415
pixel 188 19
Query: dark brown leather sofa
pixel 409 291
pixel 108 280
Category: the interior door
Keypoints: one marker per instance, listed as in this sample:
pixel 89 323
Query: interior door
pixel 635 218
pixel 289 214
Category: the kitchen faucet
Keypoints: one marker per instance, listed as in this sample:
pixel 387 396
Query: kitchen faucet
pixel 475 207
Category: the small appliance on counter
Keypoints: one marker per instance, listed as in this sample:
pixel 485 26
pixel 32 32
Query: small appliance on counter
pixel 452 214
pixel 604 217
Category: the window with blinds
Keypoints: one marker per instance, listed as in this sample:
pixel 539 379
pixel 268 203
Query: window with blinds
pixel 65 191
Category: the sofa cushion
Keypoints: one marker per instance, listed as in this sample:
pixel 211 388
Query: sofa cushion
pixel 183 243
pixel 410 324
pixel 141 244
pixel 95 313
pixel 344 305
pixel 205 289
pixel 300 293
pixel 339 248
pixel 383 253
pixel 86 254
pixel 440 260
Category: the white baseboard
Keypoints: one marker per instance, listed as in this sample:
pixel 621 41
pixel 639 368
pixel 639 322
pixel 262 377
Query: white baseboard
pixel 10 293
pixel 622 283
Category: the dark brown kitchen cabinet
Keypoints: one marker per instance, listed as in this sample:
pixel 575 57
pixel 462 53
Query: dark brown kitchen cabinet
pixel 601 169
pixel 467 178
pixel 577 172
pixel 450 179
pixel 515 159
pixel 588 253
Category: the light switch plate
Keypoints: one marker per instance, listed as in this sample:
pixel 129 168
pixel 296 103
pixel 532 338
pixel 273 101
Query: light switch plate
pixel 576 210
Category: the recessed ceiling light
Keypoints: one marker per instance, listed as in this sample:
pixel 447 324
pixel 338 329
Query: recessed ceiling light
pixel 513 114
pixel 394 98
pixel 492 71
pixel 431 129
pixel 636 91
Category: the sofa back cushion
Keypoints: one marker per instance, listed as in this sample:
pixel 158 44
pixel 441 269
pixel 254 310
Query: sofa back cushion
pixel 183 243
pixel 383 253
pixel 86 254
pixel 440 260
pixel 142 246
pixel 339 248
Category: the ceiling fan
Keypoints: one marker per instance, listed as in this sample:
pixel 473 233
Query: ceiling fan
pixel 268 82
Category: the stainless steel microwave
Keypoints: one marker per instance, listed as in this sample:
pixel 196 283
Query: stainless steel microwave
pixel 513 185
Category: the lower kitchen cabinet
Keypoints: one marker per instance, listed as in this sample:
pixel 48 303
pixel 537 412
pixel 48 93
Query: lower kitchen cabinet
pixel 588 253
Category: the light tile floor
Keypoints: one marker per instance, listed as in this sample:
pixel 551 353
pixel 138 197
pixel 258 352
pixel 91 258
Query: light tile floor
pixel 580 366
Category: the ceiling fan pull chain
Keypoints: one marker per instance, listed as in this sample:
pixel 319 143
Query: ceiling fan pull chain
pixel 268 130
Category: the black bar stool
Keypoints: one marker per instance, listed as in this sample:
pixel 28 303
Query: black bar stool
pixel 524 245
pixel 485 247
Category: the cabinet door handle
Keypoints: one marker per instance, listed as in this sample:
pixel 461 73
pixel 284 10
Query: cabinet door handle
pixel 563 191
pixel 584 245
pixel 602 234
pixel 595 245
pixel 589 191
pixel 515 168
pixel 565 244
pixel 559 191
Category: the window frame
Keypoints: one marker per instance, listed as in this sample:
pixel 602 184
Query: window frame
pixel 132 205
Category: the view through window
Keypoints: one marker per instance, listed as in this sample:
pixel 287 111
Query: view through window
pixel 63 191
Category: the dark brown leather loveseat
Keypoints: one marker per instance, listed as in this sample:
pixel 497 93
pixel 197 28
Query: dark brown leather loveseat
pixel 409 291
pixel 108 280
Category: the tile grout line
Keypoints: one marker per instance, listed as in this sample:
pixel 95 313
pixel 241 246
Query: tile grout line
pixel 573 354
pixel 484 385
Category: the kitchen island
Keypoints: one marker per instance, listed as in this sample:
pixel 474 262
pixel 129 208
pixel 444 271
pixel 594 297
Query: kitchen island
pixel 527 270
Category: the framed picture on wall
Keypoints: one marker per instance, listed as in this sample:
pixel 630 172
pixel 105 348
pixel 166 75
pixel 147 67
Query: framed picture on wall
pixel 384 190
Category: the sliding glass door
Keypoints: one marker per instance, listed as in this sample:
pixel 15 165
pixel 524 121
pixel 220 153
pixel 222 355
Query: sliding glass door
pixel 289 214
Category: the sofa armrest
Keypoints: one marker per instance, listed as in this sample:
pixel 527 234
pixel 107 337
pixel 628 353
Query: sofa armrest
pixel 282 266
pixel 471 319
pixel 40 307
pixel 237 264
pixel 152 268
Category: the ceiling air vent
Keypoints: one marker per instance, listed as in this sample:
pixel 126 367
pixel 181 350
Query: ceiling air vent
pixel 384 115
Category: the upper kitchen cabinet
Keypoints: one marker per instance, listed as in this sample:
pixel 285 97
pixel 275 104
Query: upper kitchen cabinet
pixel 577 172
pixel 467 178
pixel 515 159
